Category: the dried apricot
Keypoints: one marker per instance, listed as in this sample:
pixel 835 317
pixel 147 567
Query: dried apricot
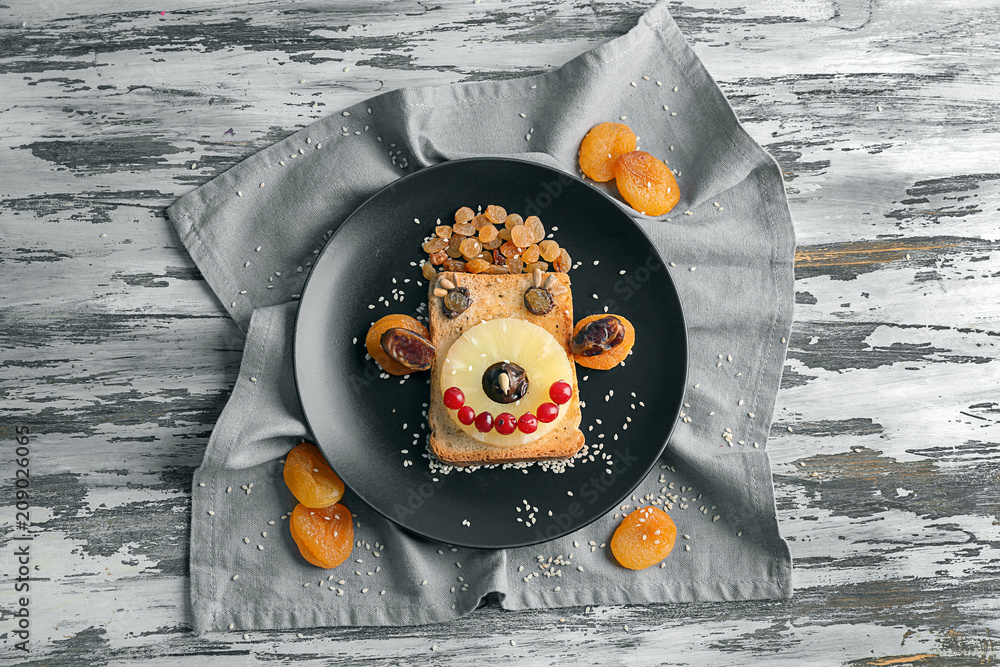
pixel 512 220
pixel 646 183
pixel 487 233
pixel 373 341
pixel 549 250
pixel 643 538
pixel 602 146
pixel 310 479
pixel 325 536
pixel 427 270
pixel 610 358
pixel 464 214
pixel 470 247
pixel 534 223
pixel 530 253
pixel 564 262
pixel 443 231
pixel 522 236
pixel 496 214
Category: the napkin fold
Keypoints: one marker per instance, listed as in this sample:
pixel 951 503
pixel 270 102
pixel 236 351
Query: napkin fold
pixel 254 230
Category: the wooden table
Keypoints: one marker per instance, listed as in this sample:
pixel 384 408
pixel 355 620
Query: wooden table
pixel 884 117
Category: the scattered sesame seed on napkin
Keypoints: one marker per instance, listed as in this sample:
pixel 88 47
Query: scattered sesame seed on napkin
pixel 254 230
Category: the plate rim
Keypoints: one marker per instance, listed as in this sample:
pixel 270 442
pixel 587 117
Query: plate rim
pixel 683 329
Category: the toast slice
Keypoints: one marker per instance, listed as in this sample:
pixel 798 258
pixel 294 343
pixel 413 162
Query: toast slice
pixel 495 296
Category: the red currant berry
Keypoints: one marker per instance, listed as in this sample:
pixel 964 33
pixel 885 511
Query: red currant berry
pixel 528 423
pixel 506 423
pixel 560 392
pixel 466 415
pixel 454 398
pixel 547 412
pixel 484 422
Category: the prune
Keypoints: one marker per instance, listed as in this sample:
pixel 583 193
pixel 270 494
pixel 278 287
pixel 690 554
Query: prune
pixel 504 391
pixel 538 300
pixel 408 348
pixel 598 336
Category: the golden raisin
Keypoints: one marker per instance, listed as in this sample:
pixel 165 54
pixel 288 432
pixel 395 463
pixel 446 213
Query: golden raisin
pixel 437 258
pixel 563 263
pixel 515 264
pixel 456 265
pixel 324 536
pixel 465 229
pixel 309 478
pixel 487 233
pixel 477 265
pixel 604 144
pixel 509 249
pixel 497 269
pixel 470 247
pixel 646 183
pixel 480 221
pixel 541 266
pixel 512 220
pixel 535 225
pixel 436 244
pixel 494 244
pixel 443 231
pixel 644 538
pixel 453 246
pixel 464 214
pixel 549 250
pixel 496 214
pixel 530 253
pixel 427 270
pixel 522 236
pixel 505 234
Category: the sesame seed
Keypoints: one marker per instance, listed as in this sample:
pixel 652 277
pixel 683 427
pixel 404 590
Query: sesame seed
pixel 211 513
pixel 235 577
pixel 232 625
pixel 687 547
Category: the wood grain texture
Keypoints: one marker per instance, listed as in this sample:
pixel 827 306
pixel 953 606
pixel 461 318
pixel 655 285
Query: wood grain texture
pixel 883 117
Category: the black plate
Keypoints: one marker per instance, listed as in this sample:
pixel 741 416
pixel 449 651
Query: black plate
pixel 350 408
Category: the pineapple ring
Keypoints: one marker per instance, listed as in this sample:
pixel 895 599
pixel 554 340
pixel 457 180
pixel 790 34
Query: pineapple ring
pixel 513 340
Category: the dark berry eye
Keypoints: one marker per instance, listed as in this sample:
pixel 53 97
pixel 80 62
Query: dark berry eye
pixel 538 300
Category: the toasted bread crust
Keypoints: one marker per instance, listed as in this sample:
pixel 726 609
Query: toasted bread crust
pixel 496 296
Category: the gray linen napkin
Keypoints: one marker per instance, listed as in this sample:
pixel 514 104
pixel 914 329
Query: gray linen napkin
pixel 731 258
